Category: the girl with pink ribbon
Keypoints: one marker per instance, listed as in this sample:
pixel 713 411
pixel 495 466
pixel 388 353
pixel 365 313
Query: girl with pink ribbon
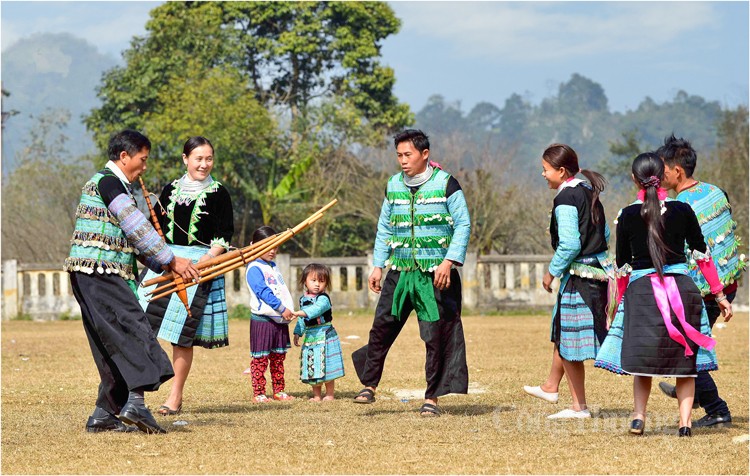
pixel 660 327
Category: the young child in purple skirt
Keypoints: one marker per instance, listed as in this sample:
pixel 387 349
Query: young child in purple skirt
pixel 271 305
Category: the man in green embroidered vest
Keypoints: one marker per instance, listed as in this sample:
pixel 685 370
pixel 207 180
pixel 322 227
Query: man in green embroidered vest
pixel 714 213
pixel 423 233
pixel 109 233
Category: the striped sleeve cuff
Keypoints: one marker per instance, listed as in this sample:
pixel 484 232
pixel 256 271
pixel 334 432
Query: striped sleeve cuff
pixel 139 232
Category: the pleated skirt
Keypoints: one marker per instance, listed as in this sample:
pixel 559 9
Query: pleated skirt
pixel 579 323
pixel 638 342
pixel 267 337
pixel 320 357
pixel 208 324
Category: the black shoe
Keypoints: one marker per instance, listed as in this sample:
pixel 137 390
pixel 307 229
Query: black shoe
pixel 637 426
pixel 671 391
pixel 140 417
pixel 108 423
pixel 714 420
pixel 685 431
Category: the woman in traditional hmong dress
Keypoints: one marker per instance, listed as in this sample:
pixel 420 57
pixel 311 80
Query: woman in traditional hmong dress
pixel 320 359
pixel 579 236
pixel 661 327
pixel 195 213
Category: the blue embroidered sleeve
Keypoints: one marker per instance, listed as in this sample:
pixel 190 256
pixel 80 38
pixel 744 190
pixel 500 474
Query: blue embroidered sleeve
pixel 607 232
pixel 299 328
pixel 140 234
pixel 569 246
pixel 318 308
pixel 257 283
pixel 461 227
pixel 382 251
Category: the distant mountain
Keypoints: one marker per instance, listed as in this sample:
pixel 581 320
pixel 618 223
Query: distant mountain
pixel 578 116
pixel 50 70
pixel 62 71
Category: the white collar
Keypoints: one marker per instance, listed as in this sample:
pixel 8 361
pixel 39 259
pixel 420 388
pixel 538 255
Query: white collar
pixel 420 178
pixel 190 186
pixel 568 183
pixel 118 171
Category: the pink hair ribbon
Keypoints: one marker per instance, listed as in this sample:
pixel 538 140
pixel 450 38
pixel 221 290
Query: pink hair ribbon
pixel 662 193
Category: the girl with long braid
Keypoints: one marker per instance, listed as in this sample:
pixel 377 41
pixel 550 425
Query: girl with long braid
pixel 660 327
pixel 579 235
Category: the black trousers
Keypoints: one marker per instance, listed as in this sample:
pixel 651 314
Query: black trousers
pixel 445 366
pixel 706 391
pixel 122 343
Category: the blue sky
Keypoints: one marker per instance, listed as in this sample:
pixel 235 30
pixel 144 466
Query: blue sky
pixel 486 51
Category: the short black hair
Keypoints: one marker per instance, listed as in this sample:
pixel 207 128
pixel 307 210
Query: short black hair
pixel 129 141
pixel 322 271
pixel 418 138
pixel 262 233
pixel 195 142
pixel 678 152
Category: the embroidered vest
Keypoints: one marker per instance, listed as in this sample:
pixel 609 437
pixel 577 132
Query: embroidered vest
pixel 98 243
pixel 714 216
pixel 182 197
pixel 315 321
pixel 275 282
pixel 421 223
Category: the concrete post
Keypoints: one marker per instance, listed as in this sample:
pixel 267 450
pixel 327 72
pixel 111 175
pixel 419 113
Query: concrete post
pixel 372 298
pixel 284 262
pixel 470 282
pixel 10 289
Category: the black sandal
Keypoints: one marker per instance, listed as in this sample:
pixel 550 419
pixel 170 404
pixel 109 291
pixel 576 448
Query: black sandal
pixel 367 394
pixel 166 411
pixel 428 410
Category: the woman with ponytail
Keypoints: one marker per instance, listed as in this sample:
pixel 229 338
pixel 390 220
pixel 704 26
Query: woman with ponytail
pixel 579 235
pixel 660 327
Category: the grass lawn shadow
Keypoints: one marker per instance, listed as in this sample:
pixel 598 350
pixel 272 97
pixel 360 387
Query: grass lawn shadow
pixel 49 386
pixel 612 413
pixel 469 409
pixel 240 408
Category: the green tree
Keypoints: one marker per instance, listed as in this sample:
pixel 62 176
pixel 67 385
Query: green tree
pixel 515 114
pixel 440 118
pixel 294 55
pixel 222 108
pixel 313 66
pixel 727 166
pixel 581 93
pixel 39 197
pixel 6 114
pixel 617 168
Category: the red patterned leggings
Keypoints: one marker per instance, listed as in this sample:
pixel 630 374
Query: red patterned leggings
pixel 258 370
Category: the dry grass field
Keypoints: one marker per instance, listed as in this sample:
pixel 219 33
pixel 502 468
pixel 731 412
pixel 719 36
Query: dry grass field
pixel 49 387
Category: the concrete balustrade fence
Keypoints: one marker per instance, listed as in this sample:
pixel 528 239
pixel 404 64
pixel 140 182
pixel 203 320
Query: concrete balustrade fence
pixel 490 283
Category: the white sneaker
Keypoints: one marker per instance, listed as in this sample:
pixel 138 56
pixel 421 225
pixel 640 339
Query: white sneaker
pixel 568 413
pixel 539 393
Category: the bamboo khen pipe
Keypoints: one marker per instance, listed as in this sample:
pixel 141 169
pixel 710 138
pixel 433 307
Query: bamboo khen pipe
pixel 234 263
pixel 178 281
pixel 230 263
pixel 235 259
pixel 168 276
pixel 154 218
pixel 237 255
